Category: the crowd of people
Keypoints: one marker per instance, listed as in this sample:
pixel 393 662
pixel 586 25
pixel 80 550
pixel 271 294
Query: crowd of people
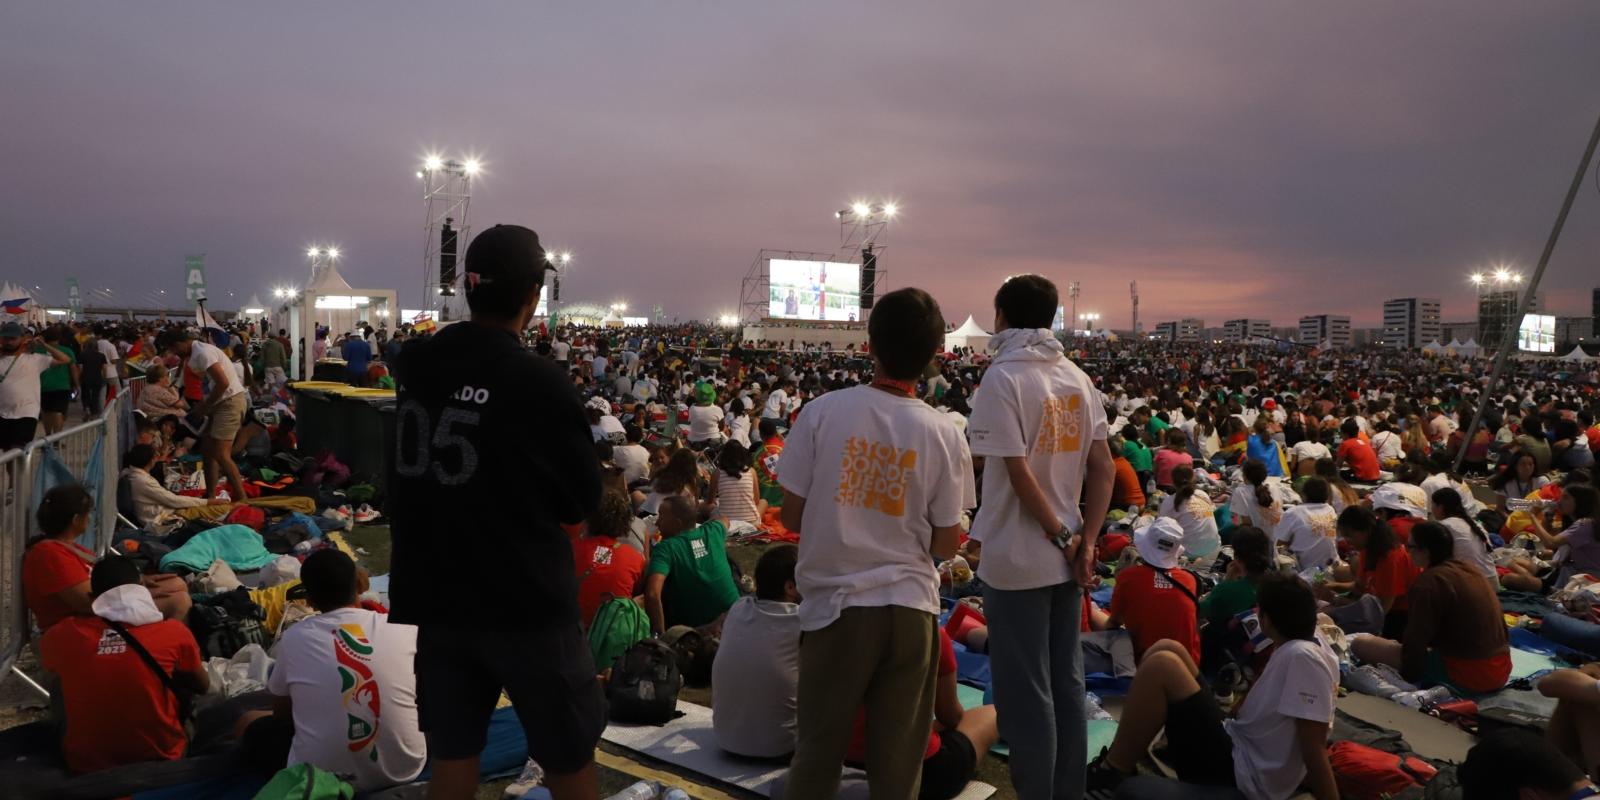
pixel 1274 523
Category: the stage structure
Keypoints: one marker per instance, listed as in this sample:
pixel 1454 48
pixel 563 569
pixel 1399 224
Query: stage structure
pixel 446 193
pixel 755 289
pixel 861 229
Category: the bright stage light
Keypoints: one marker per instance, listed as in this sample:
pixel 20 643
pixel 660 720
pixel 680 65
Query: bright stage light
pixel 1477 279
pixel 432 163
pixel 419 173
pixel 890 209
pixel 472 166
pixel 333 252
pixel 313 252
pixel 1501 275
pixel 861 209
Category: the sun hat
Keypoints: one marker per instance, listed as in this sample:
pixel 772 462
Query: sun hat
pixel 1401 497
pixel 1160 543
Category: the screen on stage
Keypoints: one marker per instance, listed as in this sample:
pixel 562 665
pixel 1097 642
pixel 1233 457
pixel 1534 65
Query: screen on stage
pixel 819 290
pixel 1537 334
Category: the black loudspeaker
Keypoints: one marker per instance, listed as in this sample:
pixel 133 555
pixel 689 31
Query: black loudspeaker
pixel 555 287
pixel 447 259
pixel 869 277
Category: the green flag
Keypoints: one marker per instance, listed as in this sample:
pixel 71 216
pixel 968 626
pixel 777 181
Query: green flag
pixel 194 277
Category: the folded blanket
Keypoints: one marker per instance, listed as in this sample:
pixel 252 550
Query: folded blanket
pixel 236 545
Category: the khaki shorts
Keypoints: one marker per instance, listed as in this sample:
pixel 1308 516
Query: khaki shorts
pixel 228 417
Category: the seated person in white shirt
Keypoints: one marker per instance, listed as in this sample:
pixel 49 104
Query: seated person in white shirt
pixel 1275 742
pixel 344 686
pixel 757 668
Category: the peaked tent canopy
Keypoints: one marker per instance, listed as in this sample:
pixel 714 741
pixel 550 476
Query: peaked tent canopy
pixel 970 334
pixel 1578 354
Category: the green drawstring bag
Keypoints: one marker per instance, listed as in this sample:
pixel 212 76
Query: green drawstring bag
pixel 305 782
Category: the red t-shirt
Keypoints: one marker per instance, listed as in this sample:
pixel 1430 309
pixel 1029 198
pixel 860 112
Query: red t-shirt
pixel 1152 608
pixel 615 571
pixel 1402 528
pixel 1392 577
pixel 49 567
pixel 118 712
pixel 857 753
pixel 1358 454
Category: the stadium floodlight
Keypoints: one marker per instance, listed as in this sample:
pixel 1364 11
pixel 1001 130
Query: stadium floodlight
pixel 1502 275
pixel 890 209
pixel 419 174
pixel 1477 279
pixel 313 253
pixel 472 166
pixel 432 162
pixel 333 252
pixel 861 209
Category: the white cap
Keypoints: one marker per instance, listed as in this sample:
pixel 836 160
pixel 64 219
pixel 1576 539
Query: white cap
pixel 1401 497
pixel 599 404
pixel 1160 543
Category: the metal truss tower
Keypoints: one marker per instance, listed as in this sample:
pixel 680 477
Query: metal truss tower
pixel 446 193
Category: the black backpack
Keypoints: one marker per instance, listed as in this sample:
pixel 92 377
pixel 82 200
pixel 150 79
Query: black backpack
pixel 226 622
pixel 644 684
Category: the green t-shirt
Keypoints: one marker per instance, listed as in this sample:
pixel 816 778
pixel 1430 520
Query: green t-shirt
pixel 1139 456
pixel 699 585
pixel 59 377
pixel 1229 599
pixel 1155 427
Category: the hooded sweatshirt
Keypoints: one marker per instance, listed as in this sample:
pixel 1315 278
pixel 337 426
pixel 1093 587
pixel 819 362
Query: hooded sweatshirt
pixel 1033 403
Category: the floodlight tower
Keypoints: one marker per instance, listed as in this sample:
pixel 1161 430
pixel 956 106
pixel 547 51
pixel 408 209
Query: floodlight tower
pixel 1072 291
pixel 446 193
pixel 1133 291
pixel 322 260
pixel 860 227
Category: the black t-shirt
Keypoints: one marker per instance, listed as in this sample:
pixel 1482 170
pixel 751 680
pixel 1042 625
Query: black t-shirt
pixel 492 453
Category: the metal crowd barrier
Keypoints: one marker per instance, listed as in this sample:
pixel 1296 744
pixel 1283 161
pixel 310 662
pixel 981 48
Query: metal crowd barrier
pixel 89 453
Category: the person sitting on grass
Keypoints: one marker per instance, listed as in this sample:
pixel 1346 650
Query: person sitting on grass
pixel 1156 599
pixel 607 563
pixel 757 668
pixel 153 505
pixel 688 581
pixel 1455 632
pixel 118 711
pixel 344 693
pixel 1275 743
pixel 1382 569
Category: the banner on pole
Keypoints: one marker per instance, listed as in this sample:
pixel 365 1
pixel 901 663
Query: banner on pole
pixel 194 277
pixel 74 300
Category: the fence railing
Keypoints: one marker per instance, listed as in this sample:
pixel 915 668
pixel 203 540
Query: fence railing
pixel 89 454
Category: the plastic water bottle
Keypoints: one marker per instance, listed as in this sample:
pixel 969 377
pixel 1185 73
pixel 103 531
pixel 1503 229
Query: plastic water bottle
pixel 643 790
pixel 1422 697
pixel 675 794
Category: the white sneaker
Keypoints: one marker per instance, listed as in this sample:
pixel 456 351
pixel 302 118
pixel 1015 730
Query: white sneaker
pixel 366 514
pixel 531 777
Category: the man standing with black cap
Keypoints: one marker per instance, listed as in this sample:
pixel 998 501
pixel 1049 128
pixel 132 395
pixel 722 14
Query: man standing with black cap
pixel 492 454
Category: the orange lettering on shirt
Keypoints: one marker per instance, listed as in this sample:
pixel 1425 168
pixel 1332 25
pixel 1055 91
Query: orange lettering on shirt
pixel 1061 426
pixel 874 475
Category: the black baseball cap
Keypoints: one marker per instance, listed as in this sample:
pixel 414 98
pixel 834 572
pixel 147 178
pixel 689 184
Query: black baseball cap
pixel 505 254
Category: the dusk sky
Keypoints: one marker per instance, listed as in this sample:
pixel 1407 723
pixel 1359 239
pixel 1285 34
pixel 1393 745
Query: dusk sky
pixel 1235 158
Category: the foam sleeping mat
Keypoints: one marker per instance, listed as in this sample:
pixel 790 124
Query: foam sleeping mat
pixel 688 743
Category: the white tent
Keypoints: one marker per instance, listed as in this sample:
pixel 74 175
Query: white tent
pixel 612 320
pixel 1578 354
pixel 970 334
pixel 30 312
pixel 1433 348
pixel 330 302
pixel 1469 350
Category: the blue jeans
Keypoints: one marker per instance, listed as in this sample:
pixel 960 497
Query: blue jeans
pixel 1037 669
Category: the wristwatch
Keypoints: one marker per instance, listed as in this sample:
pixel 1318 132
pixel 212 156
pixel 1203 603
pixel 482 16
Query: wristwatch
pixel 1063 537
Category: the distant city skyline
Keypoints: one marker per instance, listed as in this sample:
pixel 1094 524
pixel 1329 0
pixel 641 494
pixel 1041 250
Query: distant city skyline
pixel 1237 160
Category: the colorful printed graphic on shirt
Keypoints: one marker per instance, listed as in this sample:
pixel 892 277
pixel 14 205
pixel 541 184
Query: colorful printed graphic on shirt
pixel 1061 426
pixel 1324 524
pixel 357 688
pixel 111 643
pixel 874 475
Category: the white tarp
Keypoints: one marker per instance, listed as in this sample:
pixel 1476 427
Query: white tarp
pixel 1578 354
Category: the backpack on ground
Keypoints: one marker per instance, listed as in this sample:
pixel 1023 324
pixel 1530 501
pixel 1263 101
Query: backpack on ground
pixel 305 782
pixel 644 684
pixel 224 623
pixel 1366 773
pixel 617 625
